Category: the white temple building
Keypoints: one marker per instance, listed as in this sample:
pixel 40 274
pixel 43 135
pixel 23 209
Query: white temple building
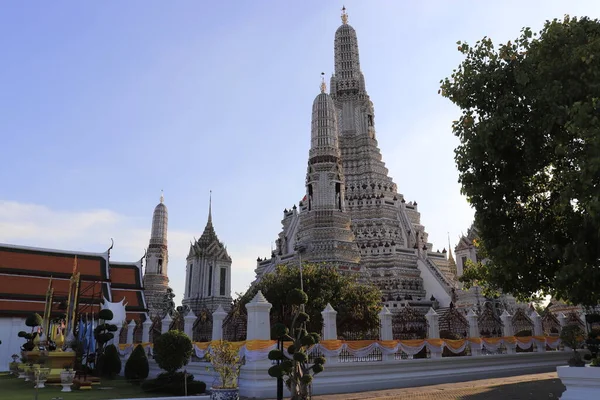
pixel 208 272
pixel 352 217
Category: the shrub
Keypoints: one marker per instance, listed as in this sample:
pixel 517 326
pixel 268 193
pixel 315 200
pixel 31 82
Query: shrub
pixel 595 362
pixel 136 367
pixel 110 364
pixel 173 384
pixel 33 320
pixel 172 350
pixel 571 336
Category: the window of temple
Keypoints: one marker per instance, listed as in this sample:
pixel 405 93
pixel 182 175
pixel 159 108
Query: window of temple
pixel 222 281
pixel 160 265
pixel 210 278
pixel 189 289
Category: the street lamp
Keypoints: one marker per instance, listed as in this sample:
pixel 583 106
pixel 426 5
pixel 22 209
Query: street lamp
pixel 300 248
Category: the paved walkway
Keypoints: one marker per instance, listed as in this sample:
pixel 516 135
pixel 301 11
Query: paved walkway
pixel 524 387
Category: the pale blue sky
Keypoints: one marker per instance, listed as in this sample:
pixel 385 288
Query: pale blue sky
pixel 103 104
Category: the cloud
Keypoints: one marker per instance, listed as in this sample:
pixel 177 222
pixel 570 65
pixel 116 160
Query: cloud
pixel 36 225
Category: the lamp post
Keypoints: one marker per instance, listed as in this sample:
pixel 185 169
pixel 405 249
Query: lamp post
pixel 300 248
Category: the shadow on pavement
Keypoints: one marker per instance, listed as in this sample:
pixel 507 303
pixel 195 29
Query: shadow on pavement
pixel 542 389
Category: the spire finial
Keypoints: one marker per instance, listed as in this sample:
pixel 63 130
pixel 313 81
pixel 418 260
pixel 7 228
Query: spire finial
pixel 162 196
pixel 210 207
pixel 323 85
pixel 344 16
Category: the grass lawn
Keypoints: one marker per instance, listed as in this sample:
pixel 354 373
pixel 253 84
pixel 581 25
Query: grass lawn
pixel 13 388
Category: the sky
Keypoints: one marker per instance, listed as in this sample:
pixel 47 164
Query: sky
pixel 105 104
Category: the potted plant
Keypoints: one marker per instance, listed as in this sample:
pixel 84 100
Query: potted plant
pixel 14 365
pixel 40 376
pixel 226 361
pixel 66 378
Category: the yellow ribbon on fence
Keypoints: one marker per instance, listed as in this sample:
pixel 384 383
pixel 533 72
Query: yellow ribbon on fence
pixel 359 344
pixel 454 344
pixel 331 344
pixel 552 339
pixel 492 340
pixel 388 344
pixel 413 342
pixel 255 345
pixel 436 342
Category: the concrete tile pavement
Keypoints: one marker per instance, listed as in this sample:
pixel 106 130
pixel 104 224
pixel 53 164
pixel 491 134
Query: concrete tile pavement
pixel 523 387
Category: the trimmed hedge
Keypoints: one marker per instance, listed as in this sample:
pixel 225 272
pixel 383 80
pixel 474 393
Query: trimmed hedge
pixel 172 350
pixel 173 384
pixel 110 363
pixel 136 367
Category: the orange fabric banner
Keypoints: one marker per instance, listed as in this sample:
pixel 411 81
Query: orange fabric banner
pixel 454 344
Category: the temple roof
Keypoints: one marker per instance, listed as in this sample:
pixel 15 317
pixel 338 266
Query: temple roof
pixel 26 273
pixel 209 243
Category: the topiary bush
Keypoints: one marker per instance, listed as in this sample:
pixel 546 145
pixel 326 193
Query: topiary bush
pixel 296 371
pixel 172 350
pixel 110 363
pixel 174 384
pixel 136 367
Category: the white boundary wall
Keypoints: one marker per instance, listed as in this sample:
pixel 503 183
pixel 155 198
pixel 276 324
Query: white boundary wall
pixel 354 377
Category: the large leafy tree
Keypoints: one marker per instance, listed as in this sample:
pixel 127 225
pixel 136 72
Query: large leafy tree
pixel 529 157
pixel 357 304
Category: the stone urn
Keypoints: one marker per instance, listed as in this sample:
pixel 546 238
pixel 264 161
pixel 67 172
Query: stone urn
pixel 21 369
pixel 582 383
pixel 29 373
pixel 41 375
pixel 66 380
pixel 224 394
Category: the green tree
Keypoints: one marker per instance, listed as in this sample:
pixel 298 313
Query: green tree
pixel 357 304
pixel 529 160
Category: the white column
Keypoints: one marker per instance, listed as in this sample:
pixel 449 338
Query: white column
pixel 259 324
pixel 146 330
pixel 329 323
pixel 218 317
pixel 117 338
pixel 130 329
pixel 385 324
pixel 562 320
pixel 507 331
pixel 433 331
pixel 538 330
pixel 474 332
pixel 188 324
pixel 385 329
pixel 166 323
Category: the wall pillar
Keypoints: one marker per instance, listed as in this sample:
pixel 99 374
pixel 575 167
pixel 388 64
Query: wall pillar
pixel 329 323
pixel 538 330
pixel 130 329
pixel 562 320
pixel 385 329
pixel 507 331
pixel 259 324
pixel 166 323
pixel 433 330
pixel 217 329
pixel 188 324
pixel 474 332
pixel 146 330
pixel 385 324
